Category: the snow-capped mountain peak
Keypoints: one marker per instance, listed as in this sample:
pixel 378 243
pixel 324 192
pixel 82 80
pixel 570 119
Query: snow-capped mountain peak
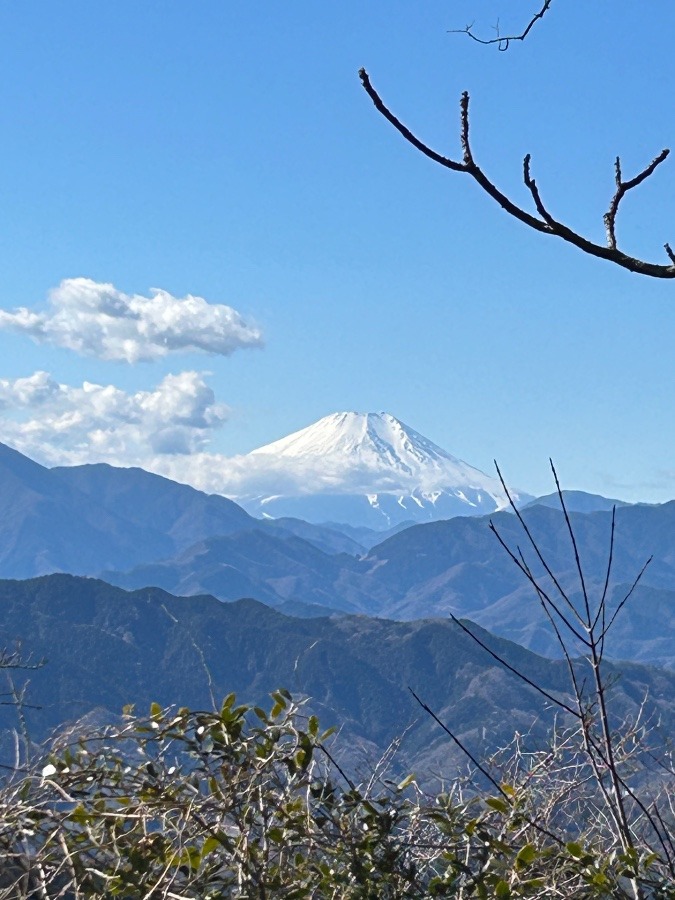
pixel 372 458
pixel 362 435
pixel 376 441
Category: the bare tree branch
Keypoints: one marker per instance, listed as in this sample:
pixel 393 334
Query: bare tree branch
pixel 503 41
pixel 500 659
pixel 544 221
pixel 622 188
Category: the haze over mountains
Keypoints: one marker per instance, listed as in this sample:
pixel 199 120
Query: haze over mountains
pixel 136 529
pixel 352 616
pixel 106 648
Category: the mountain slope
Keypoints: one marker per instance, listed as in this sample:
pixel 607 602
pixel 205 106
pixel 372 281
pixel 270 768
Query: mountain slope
pixel 47 526
pixel 87 519
pixel 364 469
pixel 578 501
pixel 184 514
pixel 274 568
pixel 106 647
pixel 452 567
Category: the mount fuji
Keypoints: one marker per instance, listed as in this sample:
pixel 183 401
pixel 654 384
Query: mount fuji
pixel 363 469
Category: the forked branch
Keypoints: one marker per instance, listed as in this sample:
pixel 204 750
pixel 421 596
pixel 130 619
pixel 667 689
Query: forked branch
pixel 503 41
pixel 544 221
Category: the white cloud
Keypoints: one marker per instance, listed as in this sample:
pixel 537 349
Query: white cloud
pixel 239 477
pixel 96 319
pixel 166 430
pixel 59 424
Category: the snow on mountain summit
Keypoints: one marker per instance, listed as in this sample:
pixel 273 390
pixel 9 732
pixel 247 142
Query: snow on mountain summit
pixel 362 468
pixel 369 437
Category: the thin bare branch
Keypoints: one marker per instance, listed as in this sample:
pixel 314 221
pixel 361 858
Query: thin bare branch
pixel 531 184
pixel 555 700
pixel 625 598
pixel 544 222
pixel 575 548
pixel 540 556
pixel 608 572
pixel 543 596
pixel 467 156
pixel 469 755
pixel 622 188
pixel 578 691
pixel 501 40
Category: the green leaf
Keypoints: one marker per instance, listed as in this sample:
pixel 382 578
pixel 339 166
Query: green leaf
pixel 498 804
pixel 574 849
pixel 533 884
pixel 526 855
pixel 79 815
pixel 155 710
pixel 228 702
pixel 279 699
pixel 276 835
pixel 210 844
pixel 502 890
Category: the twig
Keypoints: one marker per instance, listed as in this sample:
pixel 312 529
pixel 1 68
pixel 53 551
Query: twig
pixel 622 188
pixel 515 671
pixel 503 41
pixel 482 768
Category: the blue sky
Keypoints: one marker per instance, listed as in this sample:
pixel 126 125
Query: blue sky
pixel 227 151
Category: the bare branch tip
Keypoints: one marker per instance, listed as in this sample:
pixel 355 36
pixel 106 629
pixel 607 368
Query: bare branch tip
pixel 543 222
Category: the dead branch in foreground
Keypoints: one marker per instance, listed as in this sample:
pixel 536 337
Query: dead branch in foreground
pixel 544 221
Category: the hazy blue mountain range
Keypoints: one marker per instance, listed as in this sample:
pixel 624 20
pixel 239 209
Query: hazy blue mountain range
pixel 47 525
pixel 85 519
pixel 578 501
pixel 106 647
pixel 180 513
pixel 137 529
pixel 454 567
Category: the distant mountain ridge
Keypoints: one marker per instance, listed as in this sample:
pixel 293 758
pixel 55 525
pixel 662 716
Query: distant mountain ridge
pixel 363 469
pixel 106 648
pixel 452 567
pixel 138 529
pixel 578 501
pixel 90 518
pixel 47 525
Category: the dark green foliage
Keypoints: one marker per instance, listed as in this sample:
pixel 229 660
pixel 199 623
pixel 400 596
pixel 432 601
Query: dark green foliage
pixel 244 802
